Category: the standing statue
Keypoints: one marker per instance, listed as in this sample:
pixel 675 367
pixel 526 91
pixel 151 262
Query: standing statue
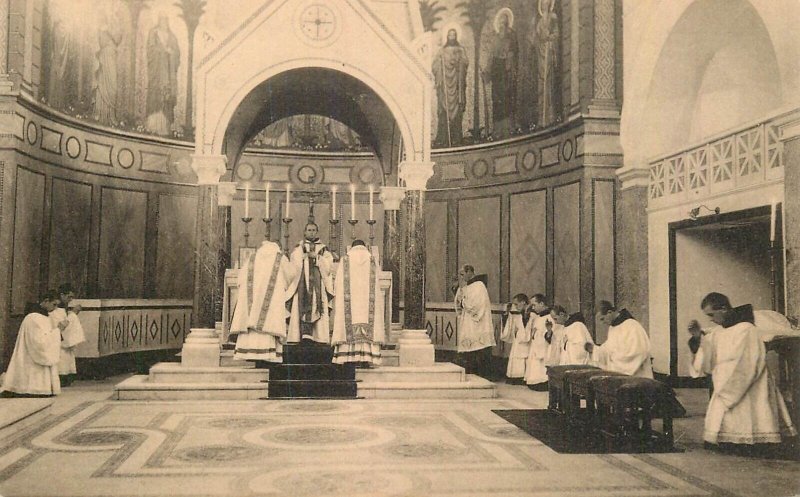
pixel 163 59
pixel 546 38
pixel 450 76
pixel 503 73
pixel 106 75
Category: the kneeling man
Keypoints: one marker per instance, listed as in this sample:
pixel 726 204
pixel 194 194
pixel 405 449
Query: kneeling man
pixel 627 349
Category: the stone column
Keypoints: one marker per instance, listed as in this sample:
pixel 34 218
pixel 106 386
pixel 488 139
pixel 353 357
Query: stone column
pixel 6 86
pixel 391 197
pixel 208 240
pixel 416 348
pixel 631 275
pixel 226 191
pixel 790 137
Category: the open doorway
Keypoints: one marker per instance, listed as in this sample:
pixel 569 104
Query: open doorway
pixel 728 253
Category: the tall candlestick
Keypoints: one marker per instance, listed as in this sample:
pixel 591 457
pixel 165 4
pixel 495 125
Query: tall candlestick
pixel 333 202
pixel 266 200
pixel 288 199
pixel 772 221
pixel 371 192
pixel 247 200
pixel 352 201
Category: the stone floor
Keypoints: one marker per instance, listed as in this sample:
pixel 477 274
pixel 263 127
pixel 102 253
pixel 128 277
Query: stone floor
pixel 87 444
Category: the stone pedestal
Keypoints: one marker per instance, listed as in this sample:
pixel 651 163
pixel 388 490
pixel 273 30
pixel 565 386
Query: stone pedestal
pixel 201 349
pixel 416 348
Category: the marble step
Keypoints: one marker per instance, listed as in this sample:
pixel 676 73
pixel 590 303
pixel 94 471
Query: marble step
pixel 390 357
pixel 440 372
pixel 172 372
pixel 139 387
pixel 293 389
pixel 474 387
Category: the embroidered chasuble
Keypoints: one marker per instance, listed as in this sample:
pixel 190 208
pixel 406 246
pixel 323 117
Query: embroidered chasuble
pixel 71 336
pixel 33 368
pixel 312 292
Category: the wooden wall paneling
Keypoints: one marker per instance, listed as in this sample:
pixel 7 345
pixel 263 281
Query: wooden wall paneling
pixel 528 243
pixel 436 281
pixel 44 259
pixel 551 267
pixel 27 245
pixel 122 243
pixel 93 275
pixel 151 240
pixel 70 234
pixel 505 217
pixel 603 241
pixel 174 265
pixel 452 247
pixel 567 246
pixel 479 239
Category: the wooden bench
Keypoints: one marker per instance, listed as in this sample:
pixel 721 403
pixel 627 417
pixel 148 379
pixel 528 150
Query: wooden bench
pixel 556 385
pixel 578 389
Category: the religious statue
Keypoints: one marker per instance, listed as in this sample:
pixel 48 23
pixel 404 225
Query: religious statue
pixel 106 75
pixel 545 42
pixel 503 73
pixel 163 59
pixel 312 291
pixel 450 75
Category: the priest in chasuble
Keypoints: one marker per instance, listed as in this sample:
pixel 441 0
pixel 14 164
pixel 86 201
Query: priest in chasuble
pixel 260 315
pixel 358 325
pixel 627 349
pixel 312 291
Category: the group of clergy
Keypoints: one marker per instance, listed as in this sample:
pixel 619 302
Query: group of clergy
pixel 542 335
pixel 44 355
pixel 292 300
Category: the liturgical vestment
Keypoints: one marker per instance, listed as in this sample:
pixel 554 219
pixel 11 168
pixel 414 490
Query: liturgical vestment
pixel 33 368
pixel 474 310
pixel 517 332
pixel 536 370
pixel 627 349
pixel 573 342
pixel 71 336
pixel 312 292
pixel 358 323
pixel 260 315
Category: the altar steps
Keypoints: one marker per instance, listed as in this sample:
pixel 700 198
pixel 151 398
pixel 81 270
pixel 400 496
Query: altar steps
pixel 307 373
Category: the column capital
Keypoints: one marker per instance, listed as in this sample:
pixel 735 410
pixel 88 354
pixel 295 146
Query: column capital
pixel 416 173
pixel 209 168
pixel 391 196
pixel 225 191
pixel 632 177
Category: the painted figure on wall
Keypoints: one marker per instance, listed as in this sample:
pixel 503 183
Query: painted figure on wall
pixel 60 66
pixel 450 76
pixel 503 73
pixel 163 59
pixel 545 44
pixel 104 90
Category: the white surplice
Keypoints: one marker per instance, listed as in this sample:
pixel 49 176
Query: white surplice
pixel 33 368
pixel 71 336
pixel 536 370
pixel 518 334
pixel 321 330
pixel 474 310
pixel 573 342
pixel 358 324
pixel 260 315
pixel 627 349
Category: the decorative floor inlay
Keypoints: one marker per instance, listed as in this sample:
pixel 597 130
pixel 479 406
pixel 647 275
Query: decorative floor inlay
pixel 216 453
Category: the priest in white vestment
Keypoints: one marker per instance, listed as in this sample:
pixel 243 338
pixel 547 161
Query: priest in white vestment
pixel 312 291
pixel 746 406
pixel 358 326
pixel 260 315
pixel 627 349
pixel 517 332
pixel 536 365
pixel 71 336
pixel 475 327
pixel 33 369
pixel 574 337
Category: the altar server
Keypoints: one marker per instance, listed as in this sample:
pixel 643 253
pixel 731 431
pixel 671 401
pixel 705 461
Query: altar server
pixel 627 349
pixel 72 335
pixel 573 338
pixel 536 365
pixel 517 332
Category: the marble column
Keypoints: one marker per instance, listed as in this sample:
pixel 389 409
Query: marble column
pixel 392 197
pixel 790 136
pixel 226 191
pixel 208 240
pixel 631 258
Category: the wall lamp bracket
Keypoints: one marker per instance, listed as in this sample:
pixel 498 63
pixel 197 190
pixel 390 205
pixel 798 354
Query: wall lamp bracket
pixel 695 213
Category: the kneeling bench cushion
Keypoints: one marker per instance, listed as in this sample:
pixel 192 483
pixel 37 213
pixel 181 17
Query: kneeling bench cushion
pixel 557 387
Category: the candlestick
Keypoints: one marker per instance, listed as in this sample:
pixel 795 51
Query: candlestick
pixel 772 221
pixel 266 199
pixel 288 200
pixel 371 224
pixel 353 223
pixel 286 221
pixel 371 192
pixel 246 220
pixel 334 235
pixel 247 200
pixel 333 202
pixel 352 201
pixel 267 228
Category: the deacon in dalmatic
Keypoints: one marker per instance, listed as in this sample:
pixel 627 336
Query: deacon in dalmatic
pixel 358 325
pixel 627 349
pixel 746 406
pixel 260 315
pixel 313 290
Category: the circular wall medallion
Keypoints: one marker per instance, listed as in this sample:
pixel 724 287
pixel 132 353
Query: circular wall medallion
pixel 318 22
pixel 480 168
pixel 33 133
pixel 73 147
pixel 245 171
pixel 307 175
pixel 366 175
pixel 567 149
pixel 125 158
pixel 528 160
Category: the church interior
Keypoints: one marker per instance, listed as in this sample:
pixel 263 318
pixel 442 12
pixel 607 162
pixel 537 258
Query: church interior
pixel 633 152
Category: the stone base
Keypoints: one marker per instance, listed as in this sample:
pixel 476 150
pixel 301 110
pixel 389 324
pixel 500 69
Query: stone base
pixel 139 388
pixel 415 348
pixel 201 349
pixel 474 387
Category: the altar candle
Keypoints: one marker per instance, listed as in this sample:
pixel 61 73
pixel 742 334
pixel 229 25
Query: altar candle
pixel 333 202
pixel 288 199
pixel 371 191
pixel 772 220
pixel 247 200
pixel 266 200
pixel 352 201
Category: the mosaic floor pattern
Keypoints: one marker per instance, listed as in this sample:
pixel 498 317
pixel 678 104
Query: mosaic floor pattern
pixel 331 448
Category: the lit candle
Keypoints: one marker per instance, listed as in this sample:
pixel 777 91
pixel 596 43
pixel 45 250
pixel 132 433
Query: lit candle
pixel 266 200
pixel 352 201
pixel 333 202
pixel 371 191
pixel 288 199
pixel 247 200
pixel 772 220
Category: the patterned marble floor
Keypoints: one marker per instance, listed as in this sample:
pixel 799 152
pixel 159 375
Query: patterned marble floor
pixel 91 446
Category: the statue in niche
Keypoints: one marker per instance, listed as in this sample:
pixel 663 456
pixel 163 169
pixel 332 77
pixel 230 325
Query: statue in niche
pixel 503 68
pixel 104 90
pixel 163 59
pixel 450 76
pixel 545 41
